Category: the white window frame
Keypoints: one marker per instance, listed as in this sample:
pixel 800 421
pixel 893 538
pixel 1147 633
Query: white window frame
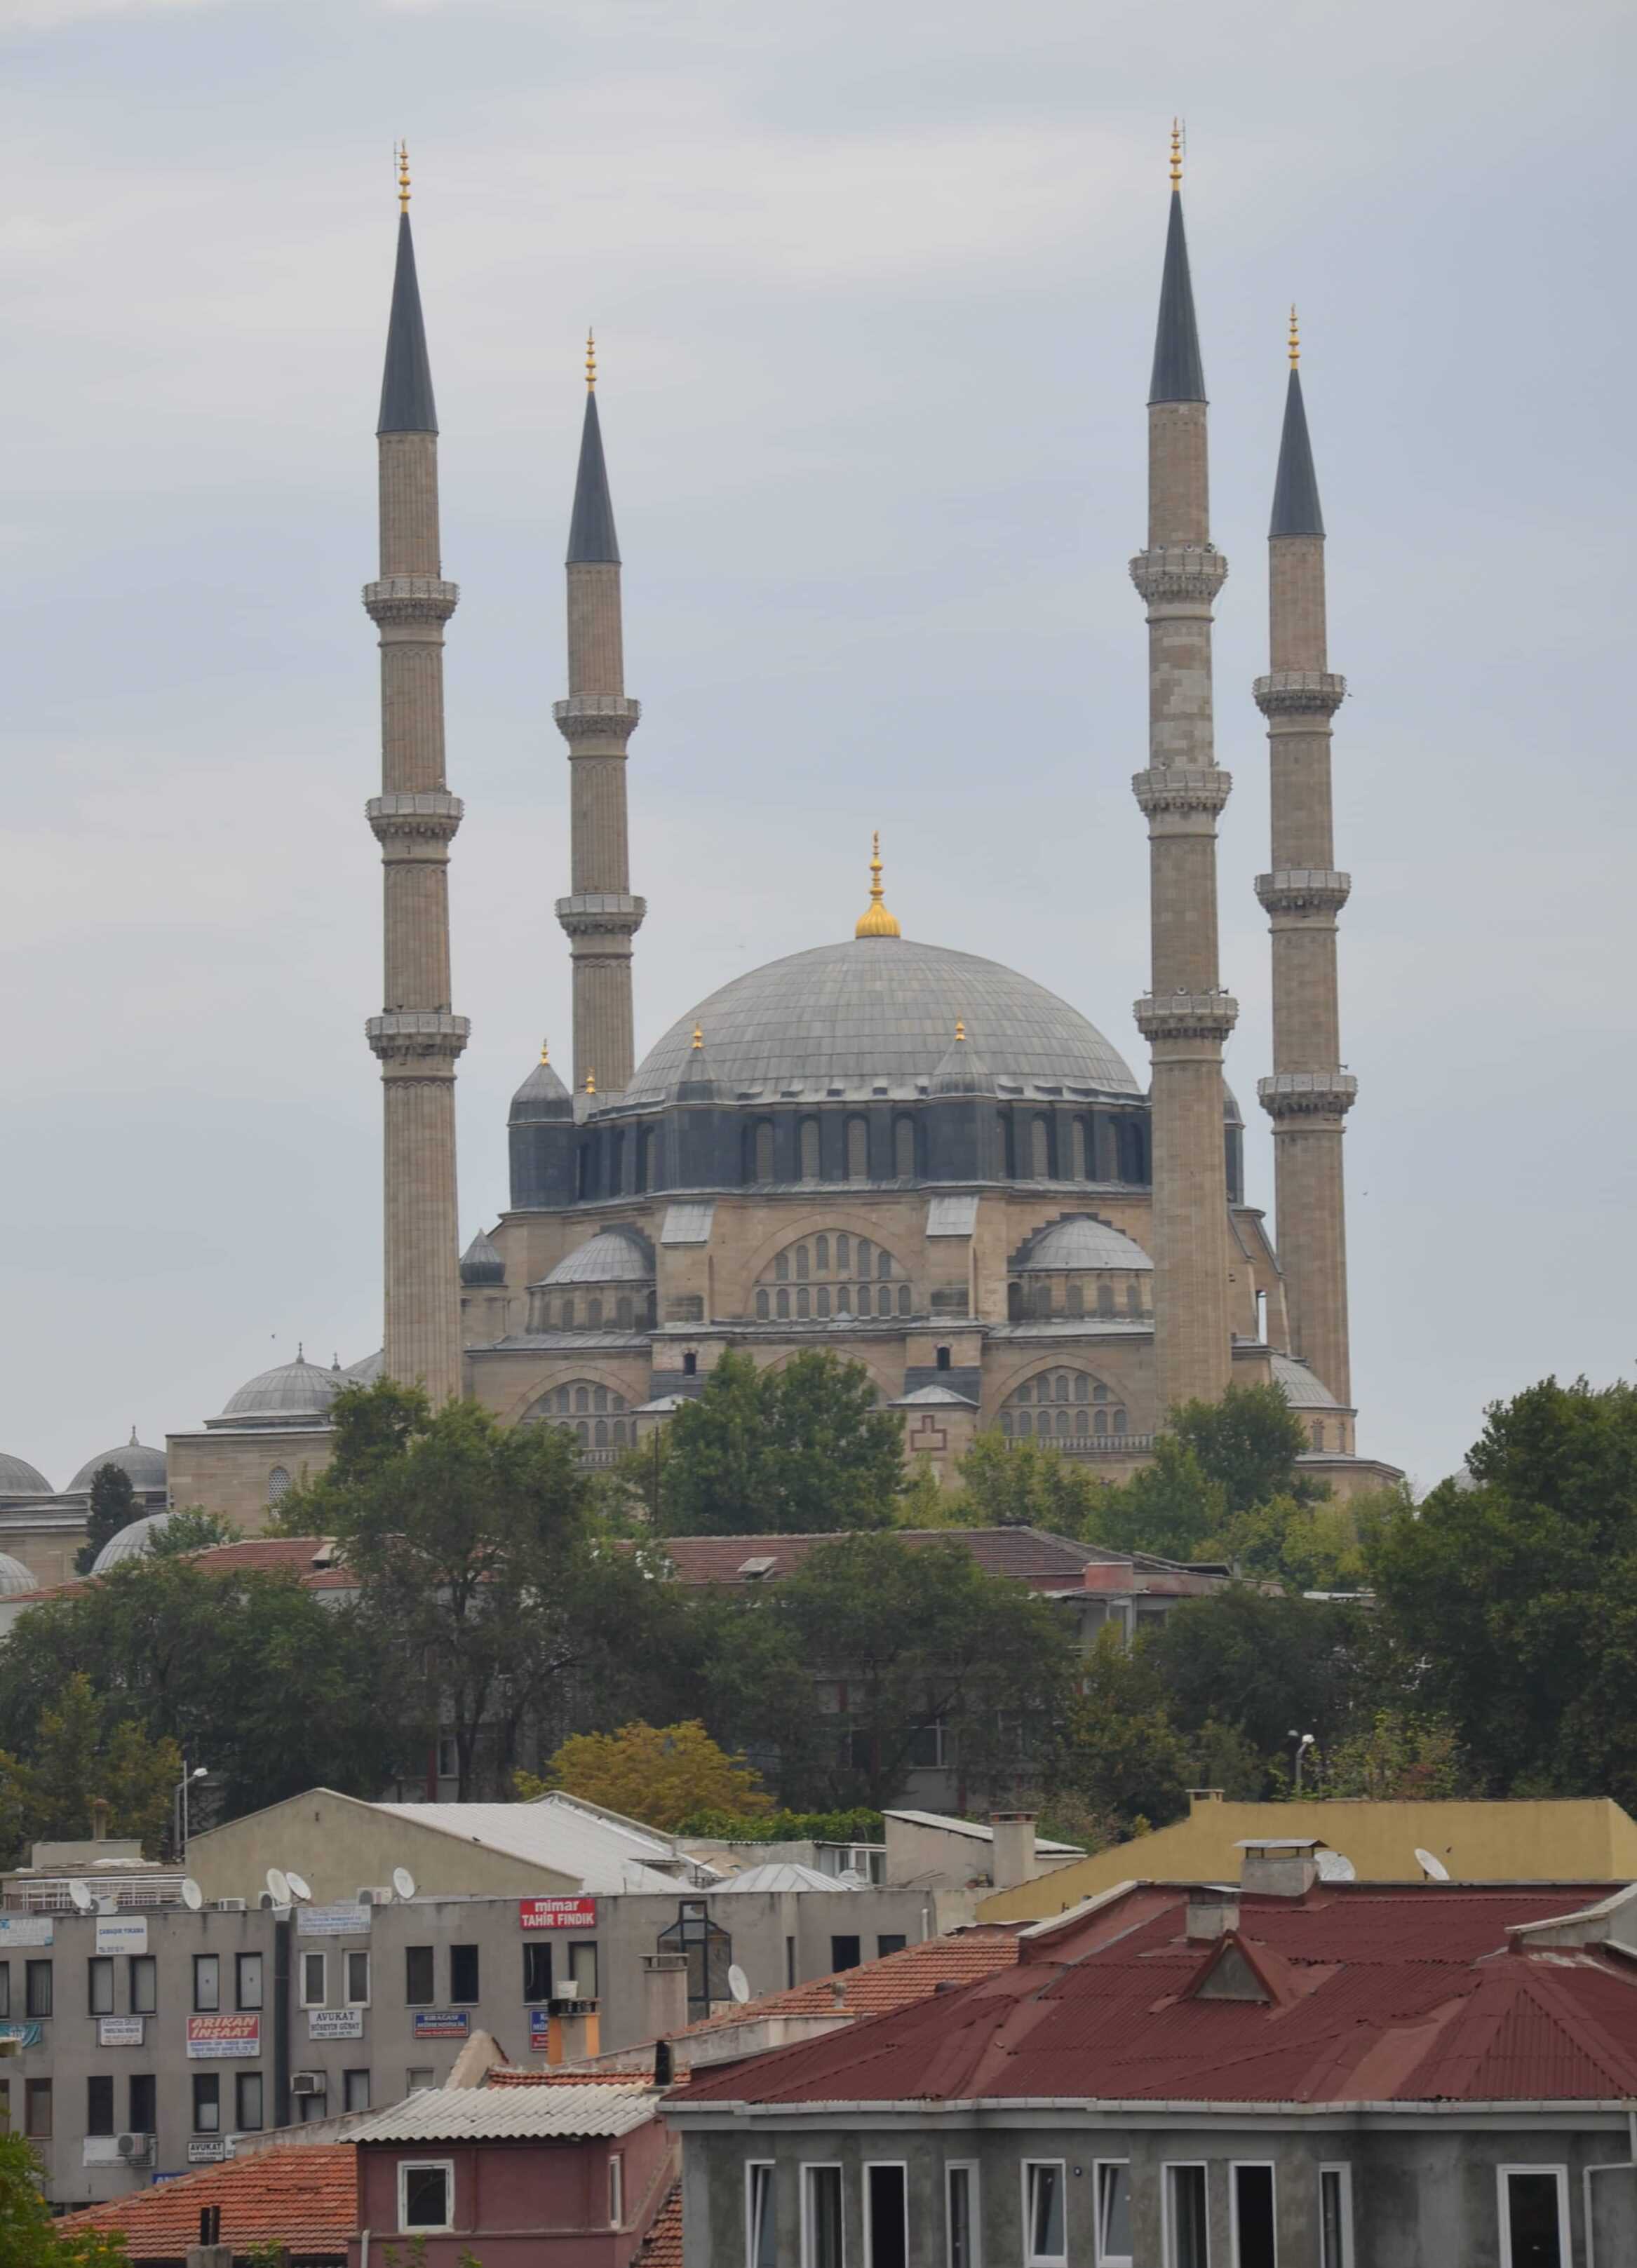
pixel 322 2001
pixel 616 2189
pixel 970 2167
pixel 1167 2243
pixel 1343 2169
pixel 1561 2175
pixel 347 1957
pixel 810 2166
pixel 753 2167
pixel 885 2165
pixel 444 2166
pixel 1099 2166
pixel 1253 2165
pixel 1031 2258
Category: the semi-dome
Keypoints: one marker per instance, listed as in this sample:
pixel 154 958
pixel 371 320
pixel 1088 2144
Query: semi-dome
pixel 143 1466
pixel 18 1477
pixel 1302 1391
pixel 366 1372
pixel 1082 1243
pixel 877 1014
pixel 291 1390
pixel 16 1581
pixel 130 1541
pixel 608 1257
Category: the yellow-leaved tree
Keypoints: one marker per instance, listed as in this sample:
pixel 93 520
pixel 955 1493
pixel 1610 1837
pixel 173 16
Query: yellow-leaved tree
pixel 661 1774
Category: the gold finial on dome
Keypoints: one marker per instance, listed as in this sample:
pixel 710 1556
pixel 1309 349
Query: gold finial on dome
pixel 591 362
pixel 545 1052
pixel 875 921
pixel 698 1038
pixel 1177 153
pixel 1295 340
pixel 402 155
pixel 960 1032
pixel 591 1082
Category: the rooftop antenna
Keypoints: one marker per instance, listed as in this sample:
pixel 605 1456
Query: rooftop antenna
pixel 738 1983
pixel 80 1898
pixel 1336 1867
pixel 403 1883
pixel 278 1886
pixel 1433 1869
pixel 298 1889
pixel 193 1896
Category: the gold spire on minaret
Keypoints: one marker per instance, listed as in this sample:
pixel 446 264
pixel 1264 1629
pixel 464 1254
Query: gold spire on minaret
pixel 402 156
pixel 1177 153
pixel 1295 339
pixel 591 362
pixel 875 921
pixel 591 1082
pixel 545 1052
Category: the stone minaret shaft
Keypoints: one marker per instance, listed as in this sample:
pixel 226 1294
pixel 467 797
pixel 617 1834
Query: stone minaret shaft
pixel 414 818
pixel 1187 1016
pixel 597 720
pixel 1309 1094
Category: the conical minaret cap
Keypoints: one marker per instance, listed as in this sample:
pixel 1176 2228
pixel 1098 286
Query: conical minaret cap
pixel 1295 487
pixel 480 1261
pixel 962 1070
pixel 1178 372
pixel 542 1096
pixel 406 389
pixel 592 541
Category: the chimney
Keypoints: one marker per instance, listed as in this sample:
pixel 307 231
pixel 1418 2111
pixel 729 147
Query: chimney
pixel 1197 1797
pixel 1014 1859
pixel 100 1819
pixel 664 1994
pixel 1212 1911
pixel 1285 1866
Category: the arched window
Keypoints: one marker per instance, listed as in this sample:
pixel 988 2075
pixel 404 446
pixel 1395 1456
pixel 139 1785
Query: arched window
pixel 599 1397
pixel 883 1263
pixel 809 1149
pixel 582 1435
pixel 1318 1432
pixel 593 1314
pixel 1076 1297
pixel 599 1433
pixel 866 1252
pixel 568 1315
pixel 622 1312
pixel 1008 1146
pixel 1105 1298
pixel 277 1483
pixel 1134 1298
pixel 1014 1303
pixel 1082 1419
pixel 801 1263
pixel 764 1150
pixel 821 1255
pixel 564 1394
pixel 781 1267
pixel 1082 1151
pixel 1119 1421
pixel 762 1307
pixel 618 1429
pixel 804 1304
pixel 1082 1386
pixel 1071 1421
pixel 644 1158
pixel 582 1397
pixel 903 1298
pixel 822 1296
pixel 783 1307
pixel 617 1159
pixel 858 1150
pixel 903 1149
pixel 844 1255
pixel 1102 1423
pixel 1040 1150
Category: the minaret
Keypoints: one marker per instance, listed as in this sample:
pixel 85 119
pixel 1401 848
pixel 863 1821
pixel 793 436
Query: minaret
pixel 1309 1094
pixel 597 720
pixel 414 819
pixel 1187 1016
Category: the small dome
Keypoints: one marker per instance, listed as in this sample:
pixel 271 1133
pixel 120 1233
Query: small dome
pixel 608 1257
pixel 294 1389
pixel 1302 1391
pixel 481 1264
pixel 15 1582
pixel 1082 1243
pixel 131 1542
pixel 18 1477
pixel 144 1467
pixel 366 1373
pixel 542 1096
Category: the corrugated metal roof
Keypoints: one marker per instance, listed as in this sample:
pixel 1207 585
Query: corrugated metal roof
pixel 687 1223
pixel 485 2114
pixel 602 1856
pixel 951 1216
pixel 785 1875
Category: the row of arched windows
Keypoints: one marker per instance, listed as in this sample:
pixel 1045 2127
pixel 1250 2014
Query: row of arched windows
pixel 832 1273
pixel 760 1159
pixel 818 1303
pixel 1063 1405
pixel 1082 1295
pixel 625 1311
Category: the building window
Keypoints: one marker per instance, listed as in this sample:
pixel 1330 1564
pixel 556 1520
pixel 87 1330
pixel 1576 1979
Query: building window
pixel 248 2102
pixel 1040 1150
pixel 1045 2241
pixel 419 1986
pixel 143 1983
pixel 886 2216
pixel 99 1987
pixel 892 1940
pixel 617 2190
pixel 314 1984
pixel 763 1170
pixel 37 2110
pixel 846 1953
pixel 99 2105
pixel 278 1483
pixel 463 1973
pixel 247 1980
pixel 960 2216
pixel 903 1149
pixel 418 2075
pixel 425 2195
pixel 1336 2217
pixel 144 2102
pixel 809 1149
pixel 37 1988
pixel 5 1988
pixel 823 2244
pixel 1187 2234
pixel 582 1969
pixel 762 1307
pixel 536 1973
pixel 354 2090
pixel 1114 2213
pixel 207 2102
pixel 357 1980
pixel 1255 2243
pixel 858 1150
pixel 1534 2216
pixel 709 1951
pixel 207 1982
pixel 761 2235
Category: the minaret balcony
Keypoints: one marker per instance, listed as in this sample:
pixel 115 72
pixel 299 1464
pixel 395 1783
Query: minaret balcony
pixel 413 823
pixel 597 717
pixel 601 913
pixel 1180 574
pixel 418 1038
pixel 398 599
pixel 1174 788
pixel 1304 890
pixel 1307 1093
pixel 1186 1015
pixel 1300 693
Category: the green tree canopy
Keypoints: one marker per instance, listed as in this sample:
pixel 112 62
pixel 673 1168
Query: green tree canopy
pixel 1247 1443
pixel 82 1751
pixel 661 1774
pixel 1263 1665
pixel 112 1506
pixel 802 1450
pixel 29 2236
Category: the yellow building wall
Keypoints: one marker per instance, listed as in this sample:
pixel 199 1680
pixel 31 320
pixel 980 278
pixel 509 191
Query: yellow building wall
pixel 341 1846
pixel 1590 1841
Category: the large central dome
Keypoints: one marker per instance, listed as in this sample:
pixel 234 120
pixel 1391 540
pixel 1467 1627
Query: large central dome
pixel 877 1014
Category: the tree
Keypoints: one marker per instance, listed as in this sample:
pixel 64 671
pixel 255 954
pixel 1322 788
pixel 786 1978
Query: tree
pixel 1262 1665
pixel 1018 1483
pixel 1120 1757
pixel 1248 1443
pixel 798 1451
pixel 29 2236
pixel 81 1753
pixel 1399 1757
pixel 656 1773
pixel 1172 1507
pixel 190 1529
pixel 112 1506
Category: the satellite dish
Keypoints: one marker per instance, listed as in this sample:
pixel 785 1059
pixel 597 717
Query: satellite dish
pixel 80 1898
pixel 298 1889
pixel 193 1896
pixel 1336 1867
pixel 738 1983
pixel 1435 1869
pixel 278 1886
pixel 404 1882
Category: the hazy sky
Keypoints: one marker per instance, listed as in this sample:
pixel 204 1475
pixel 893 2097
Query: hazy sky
pixel 874 288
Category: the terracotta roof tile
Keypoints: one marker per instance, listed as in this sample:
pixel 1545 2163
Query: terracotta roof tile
pixel 257 1554
pixel 1044 1562
pixel 305 2196
pixel 662 2247
pixel 897 1980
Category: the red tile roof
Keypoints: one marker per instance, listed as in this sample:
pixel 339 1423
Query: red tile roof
pixel 257 1554
pixel 304 2196
pixel 1044 1562
pixel 1409 1994
pixel 662 2247
pixel 897 1980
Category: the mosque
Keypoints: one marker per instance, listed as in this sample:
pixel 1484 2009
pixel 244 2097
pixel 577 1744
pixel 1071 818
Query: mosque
pixel 904 1152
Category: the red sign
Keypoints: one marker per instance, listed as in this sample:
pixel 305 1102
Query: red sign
pixel 557 1913
pixel 224 2035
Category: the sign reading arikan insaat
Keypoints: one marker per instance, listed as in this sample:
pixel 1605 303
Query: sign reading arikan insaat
pixel 557 1913
pixel 224 2035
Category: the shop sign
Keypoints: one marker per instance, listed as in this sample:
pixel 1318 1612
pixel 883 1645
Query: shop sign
pixel 25 1929
pixel 557 1913
pixel 539 2029
pixel 121 1934
pixel 119 2031
pixel 224 2035
pixel 204 2153
pixel 335 2023
pixel 343 1919
pixel 25 2035
pixel 442 2023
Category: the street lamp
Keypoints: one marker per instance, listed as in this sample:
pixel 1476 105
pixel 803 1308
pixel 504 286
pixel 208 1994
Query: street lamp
pixel 199 1771
pixel 1304 1742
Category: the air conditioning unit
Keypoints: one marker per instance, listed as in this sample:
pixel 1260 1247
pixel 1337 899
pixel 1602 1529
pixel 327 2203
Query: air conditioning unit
pixel 380 1897
pixel 136 2149
pixel 307 2082
pixel 229 1905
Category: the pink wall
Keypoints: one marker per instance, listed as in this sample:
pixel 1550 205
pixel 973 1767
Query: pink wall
pixel 521 2204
